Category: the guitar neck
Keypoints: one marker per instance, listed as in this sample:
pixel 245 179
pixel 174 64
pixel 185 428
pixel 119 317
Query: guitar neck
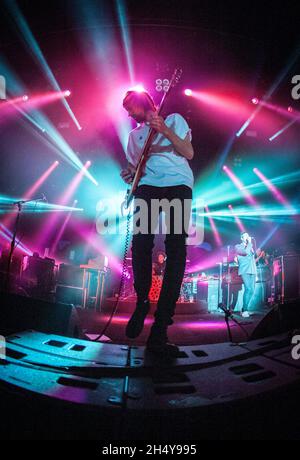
pixel 149 140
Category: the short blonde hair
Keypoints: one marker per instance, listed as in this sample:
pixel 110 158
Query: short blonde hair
pixel 142 99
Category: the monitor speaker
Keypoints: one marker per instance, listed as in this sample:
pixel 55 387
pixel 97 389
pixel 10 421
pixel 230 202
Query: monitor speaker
pixel 18 313
pixel 282 318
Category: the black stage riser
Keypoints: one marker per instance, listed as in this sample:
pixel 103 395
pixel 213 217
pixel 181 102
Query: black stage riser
pixel 119 392
pixel 128 306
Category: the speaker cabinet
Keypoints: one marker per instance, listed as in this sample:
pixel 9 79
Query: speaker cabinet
pixel 19 313
pixel 287 278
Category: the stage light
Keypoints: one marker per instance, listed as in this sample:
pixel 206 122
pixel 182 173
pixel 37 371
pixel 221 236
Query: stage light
pixel 159 85
pixel 67 93
pixel 255 101
pixel 53 138
pixel 138 88
pixel 25 98
pixel 188 92
pixel 166 84
pixel 289 112
pixel 280 78
pixel 35 49
pixel 162 84
pixel 284 129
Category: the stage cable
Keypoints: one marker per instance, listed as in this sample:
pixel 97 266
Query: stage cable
pixel 122 281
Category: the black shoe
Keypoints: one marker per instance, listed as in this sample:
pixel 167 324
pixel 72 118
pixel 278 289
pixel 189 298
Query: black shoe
pixel 165 350
pixel 159 344
pixel 136 323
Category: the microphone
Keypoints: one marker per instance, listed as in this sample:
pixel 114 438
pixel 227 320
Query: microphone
pixel 254 246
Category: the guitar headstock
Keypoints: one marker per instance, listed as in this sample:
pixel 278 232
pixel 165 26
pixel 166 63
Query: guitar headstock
pixel 175 77
pixel 174 80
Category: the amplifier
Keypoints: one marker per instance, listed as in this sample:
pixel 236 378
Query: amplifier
pixel 214 295
pixel 286 271
pixel 70 275
pixel 69 294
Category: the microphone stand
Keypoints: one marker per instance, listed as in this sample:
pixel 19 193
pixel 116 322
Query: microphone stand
pixel 13 245
pixel 228 316
pixel 226 308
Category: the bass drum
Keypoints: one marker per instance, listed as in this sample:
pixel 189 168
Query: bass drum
pixel 155 288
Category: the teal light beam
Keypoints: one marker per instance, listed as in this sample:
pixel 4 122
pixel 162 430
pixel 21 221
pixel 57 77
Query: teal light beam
pixel 291 62
pixel 49 134
pixel 36 52
pixel 121 10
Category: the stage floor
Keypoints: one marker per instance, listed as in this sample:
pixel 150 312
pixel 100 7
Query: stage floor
pixel 192 329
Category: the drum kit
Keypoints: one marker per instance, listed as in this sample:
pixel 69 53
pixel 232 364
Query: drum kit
pixel 193 283
pixel 188 291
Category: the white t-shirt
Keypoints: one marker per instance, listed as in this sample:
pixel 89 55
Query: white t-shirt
pixel 165 167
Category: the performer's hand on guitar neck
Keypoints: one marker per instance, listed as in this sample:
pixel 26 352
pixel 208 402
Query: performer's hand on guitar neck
pixel 158 123
pixel 128 174
pixel 182 146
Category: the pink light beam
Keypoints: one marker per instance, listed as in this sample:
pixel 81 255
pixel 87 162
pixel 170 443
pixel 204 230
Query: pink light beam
pixel 237 219
pixel 239 184
pixel 215 231
pixel 273 189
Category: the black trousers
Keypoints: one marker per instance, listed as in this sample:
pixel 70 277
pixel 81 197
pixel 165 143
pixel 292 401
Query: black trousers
pixel 175 247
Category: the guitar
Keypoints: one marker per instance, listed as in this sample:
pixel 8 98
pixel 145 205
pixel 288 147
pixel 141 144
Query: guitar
pixel 263 256
pixel 145 152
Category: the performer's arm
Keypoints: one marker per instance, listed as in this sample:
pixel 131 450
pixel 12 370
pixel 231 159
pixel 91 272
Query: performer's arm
pixel 182 146
pixel 128 173
pixel 244 250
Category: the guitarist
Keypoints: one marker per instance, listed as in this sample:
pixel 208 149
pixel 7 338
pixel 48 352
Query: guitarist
pixel 167 175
